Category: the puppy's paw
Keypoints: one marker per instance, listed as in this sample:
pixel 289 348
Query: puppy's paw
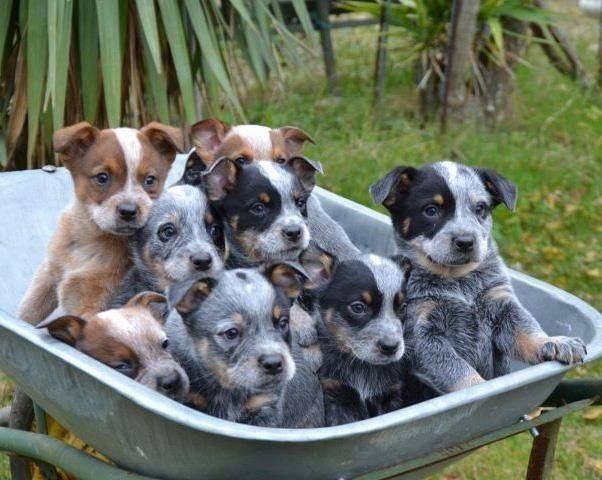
pixel 567 350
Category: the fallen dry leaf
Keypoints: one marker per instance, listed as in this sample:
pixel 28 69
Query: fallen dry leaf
pixel 592 414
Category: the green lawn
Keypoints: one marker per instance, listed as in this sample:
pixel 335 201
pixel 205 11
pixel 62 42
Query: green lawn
pixel 552 149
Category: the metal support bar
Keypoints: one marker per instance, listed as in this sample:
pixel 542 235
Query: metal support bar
pixel 47 470
pixel 463 448
pixel 541 459
pixel 569 391
pixel 322 11
pixel 55 452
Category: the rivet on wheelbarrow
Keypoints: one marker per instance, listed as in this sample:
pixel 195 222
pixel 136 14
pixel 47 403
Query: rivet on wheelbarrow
pixel 533 431
pixel 49 168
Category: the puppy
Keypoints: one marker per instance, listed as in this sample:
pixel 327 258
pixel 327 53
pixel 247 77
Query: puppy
pixel 130 340
pixel 237 349
pixel 464 322
pixel 263 206
pixel 182 237
pixel 213 139
pixel 359 304
pixel 117 174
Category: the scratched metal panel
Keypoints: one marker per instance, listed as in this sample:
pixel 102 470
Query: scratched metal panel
pixel 150 434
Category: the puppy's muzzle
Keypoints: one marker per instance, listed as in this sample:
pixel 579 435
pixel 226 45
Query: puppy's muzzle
pixel 272 364
pixel 170 384
pixel 127 211
pixel 292 233
pixel 388 346
pixel 463 243
pixel 201 261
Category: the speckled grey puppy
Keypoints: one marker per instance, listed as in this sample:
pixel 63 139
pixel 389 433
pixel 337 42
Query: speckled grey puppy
pixel 236 346
pixel 359 305
pixel 464 322
pixel 182 238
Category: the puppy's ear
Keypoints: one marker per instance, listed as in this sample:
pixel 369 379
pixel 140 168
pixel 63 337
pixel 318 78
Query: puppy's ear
pixel 67 328
pixel 319 266
pixel 501 189
pixel 194 170
pixel 154 302
pixel 398 180
pixel 72 142
pixel 403 263
pixel 220 178
pixel 165 139
pixel 208 134
pixel 294 140
pixel 286 276
pixel 187 296
pixel 305 169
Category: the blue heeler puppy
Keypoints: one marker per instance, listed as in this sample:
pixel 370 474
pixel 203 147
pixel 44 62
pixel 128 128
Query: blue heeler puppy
pixel 359 304
pixel 182 237
pixel 214 139
pixel 236 343
pixel 464 322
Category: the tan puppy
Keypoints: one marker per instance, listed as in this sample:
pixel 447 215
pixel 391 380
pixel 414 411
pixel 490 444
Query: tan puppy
pixel 130 340
pixel 117 174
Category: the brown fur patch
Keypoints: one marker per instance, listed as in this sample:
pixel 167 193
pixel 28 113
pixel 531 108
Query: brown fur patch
pixel 234 146
pixel 259 401
pixel 528 345
pixel 215 365
pixel 277 311
pixel 499 293
pixel 405 225
pixel 367 297
pixel 424 309
pixel 238 318
pixel 438 199
pixel 208 217
pixel 469 381
pixel 330 384
pixel 197 400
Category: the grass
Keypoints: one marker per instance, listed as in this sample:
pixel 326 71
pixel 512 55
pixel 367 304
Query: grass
pixel 551 149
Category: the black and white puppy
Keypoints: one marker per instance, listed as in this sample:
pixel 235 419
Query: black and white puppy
pixel 263 206
pixel 182 238
pixel 359 304
pixel 464 322
pixel 236 347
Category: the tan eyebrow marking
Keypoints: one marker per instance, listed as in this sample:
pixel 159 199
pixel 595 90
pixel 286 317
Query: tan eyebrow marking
pixel 367 297
pixel 405 226
pixel 438 199
pixel 264 197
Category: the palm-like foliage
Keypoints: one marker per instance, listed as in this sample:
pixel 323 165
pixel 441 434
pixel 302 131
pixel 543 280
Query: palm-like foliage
pixel 115 62
pixel 425 24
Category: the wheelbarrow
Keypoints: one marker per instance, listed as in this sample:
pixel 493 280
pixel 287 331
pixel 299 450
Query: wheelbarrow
pixel 146 434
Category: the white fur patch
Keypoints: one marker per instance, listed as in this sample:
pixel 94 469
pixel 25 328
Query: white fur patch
pixel 451 168
pixel 258 137
pixel 131 146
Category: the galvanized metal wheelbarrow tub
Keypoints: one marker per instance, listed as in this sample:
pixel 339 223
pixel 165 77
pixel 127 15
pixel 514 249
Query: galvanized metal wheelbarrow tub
pixel 146 433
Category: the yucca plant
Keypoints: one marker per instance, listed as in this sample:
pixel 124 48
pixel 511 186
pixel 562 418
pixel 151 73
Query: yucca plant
pixel 423 26
pixel 127 62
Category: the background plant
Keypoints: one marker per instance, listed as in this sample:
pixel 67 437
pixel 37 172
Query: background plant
pixel 127 62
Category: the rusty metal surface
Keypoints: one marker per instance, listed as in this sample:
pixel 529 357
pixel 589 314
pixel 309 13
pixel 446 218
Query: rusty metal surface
pixel 154 436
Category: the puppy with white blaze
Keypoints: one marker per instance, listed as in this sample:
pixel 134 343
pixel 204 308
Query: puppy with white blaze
pixel 464 322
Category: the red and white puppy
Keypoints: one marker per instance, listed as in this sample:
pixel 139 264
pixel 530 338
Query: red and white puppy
pixel 130 340
pixel 117 173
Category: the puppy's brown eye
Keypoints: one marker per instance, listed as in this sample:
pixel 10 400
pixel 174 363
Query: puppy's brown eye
pixel 301 202
pixel 481 209
pixel 280 160
pixel 126 367
pixel 431 210
pixel 102 179
pixel 165 344
pixel 358 308
pixel 258 209
pixel 282 323
pixel 166 231
pixel 231 333
pixel 241 160
pixel 150 180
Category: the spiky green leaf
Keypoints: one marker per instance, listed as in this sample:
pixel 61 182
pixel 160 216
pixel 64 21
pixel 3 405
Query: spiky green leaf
pixel 88 57
pixel 5 12
pixel 148 20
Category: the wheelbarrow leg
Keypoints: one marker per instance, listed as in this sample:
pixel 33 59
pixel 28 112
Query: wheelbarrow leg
pixel 322 11
pixel 21 417
pixel 541 459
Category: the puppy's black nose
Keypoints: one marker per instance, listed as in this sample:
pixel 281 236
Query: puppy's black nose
pixel 463 243
pixel 272 363
pixel 388 346
pixel 292 234
pixel 201 261
pixel 171 382
pixel 127 211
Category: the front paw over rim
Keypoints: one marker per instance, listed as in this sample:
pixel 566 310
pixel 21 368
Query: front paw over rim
pixel 567 350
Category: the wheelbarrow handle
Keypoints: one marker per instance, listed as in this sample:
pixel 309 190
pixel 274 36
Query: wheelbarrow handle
pixel 573 390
